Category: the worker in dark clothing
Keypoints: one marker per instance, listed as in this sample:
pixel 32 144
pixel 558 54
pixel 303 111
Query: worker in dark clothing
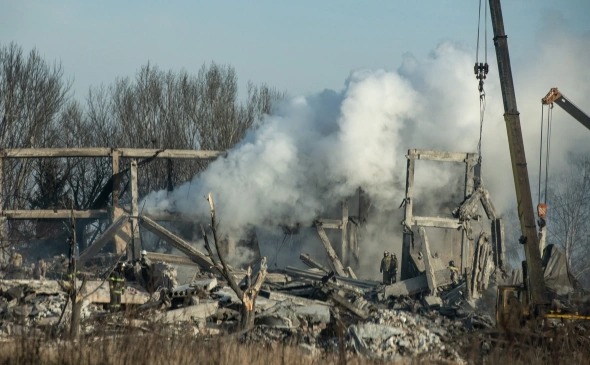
pixel 117 286
pixel 386 267
pixel 146 271
pixel 454 272
pixel 393 273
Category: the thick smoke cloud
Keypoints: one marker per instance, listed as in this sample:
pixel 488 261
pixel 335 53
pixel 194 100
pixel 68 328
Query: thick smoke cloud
pixel 318 149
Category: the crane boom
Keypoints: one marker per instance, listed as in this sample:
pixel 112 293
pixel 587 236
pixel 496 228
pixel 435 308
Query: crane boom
pixel 526 215
pixel 555 96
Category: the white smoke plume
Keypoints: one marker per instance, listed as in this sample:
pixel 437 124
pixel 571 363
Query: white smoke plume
pixel 318 149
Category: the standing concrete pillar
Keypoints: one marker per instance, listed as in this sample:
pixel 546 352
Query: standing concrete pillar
pixel 405 267
pixel 135 247
pixel 344 248
pixel 122 238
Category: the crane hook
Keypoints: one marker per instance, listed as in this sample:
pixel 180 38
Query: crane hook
pixel 481 70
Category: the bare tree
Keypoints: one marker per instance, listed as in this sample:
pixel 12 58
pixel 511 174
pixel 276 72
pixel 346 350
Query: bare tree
pixel 176 110
pixel 155 109
pixel 249 293
pixel 568 219
pixel 32 96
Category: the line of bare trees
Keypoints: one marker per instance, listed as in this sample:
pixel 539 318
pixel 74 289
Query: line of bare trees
pixel 154 109
pixel 568 222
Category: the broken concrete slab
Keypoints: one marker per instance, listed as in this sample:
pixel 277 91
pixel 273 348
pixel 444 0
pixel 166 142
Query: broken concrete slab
pixel 346 304
pixel 432 301
pixel 416 284
pixel 313 313
pixel 200 311
pixel 280 316
pixel 206 284
pixel 282 297
pixel 48 287
pixel 317 276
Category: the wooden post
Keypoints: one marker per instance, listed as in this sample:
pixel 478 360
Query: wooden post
pixel 135 248
pixel 119 239
pixel 344 248
pixel 408 218
pixel 430 277
pixel 115 158
pixel 76 306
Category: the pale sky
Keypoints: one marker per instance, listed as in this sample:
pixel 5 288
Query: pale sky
pixel 299 46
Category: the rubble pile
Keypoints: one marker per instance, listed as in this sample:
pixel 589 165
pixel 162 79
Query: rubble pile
pixel 312 309
pixel 393 334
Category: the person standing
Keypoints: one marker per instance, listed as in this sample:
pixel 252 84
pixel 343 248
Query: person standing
pixel 393 274
pixel 454 272
pixel 386 267
pixel 146 271
pixel 117 286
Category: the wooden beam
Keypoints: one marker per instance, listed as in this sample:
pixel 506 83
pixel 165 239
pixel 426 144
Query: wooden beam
pixel 342 301
pixel 430 277
pixel 106 152
pixel 438 222
pixel 312 263
pixel 163 153
pixel 55 214
pixel 329 223
pixel 171 217
pixel 177 242
pixel 334 260
pixel 104 238
pixel 318 276
pixel 170 259
pixel 445 156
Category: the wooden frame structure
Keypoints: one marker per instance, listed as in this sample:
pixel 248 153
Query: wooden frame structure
pixel 121 221
pixel 410 220
pixel 478 255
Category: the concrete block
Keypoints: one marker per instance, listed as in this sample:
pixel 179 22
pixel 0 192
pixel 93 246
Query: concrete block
pixel 313 313
pixel 198 311
pixel 205 284
pixel 433 301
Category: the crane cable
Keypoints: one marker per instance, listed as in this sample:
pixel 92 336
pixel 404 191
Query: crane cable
pixel 543 198
pixel 481 70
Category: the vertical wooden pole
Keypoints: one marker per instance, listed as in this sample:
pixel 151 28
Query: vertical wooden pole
pixel 116 155
pixel 120 242
pixel 135 241
pixel 344 248
pixel 430 278
pixel 408 218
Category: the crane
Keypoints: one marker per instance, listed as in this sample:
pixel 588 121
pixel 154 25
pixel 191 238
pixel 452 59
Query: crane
pixel 555 96
pixel 531 299
pixel 534 281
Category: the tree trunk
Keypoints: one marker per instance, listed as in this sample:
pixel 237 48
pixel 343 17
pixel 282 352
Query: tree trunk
pixel 76 309
pixel 247 317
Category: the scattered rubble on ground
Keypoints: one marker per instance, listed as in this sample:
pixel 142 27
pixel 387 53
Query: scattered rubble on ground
pixel 309 308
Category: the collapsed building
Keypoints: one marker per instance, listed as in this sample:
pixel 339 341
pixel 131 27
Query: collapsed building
pixel 291 298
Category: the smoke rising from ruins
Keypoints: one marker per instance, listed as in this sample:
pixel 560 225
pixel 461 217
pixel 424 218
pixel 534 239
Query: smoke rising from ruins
pixel 318 149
